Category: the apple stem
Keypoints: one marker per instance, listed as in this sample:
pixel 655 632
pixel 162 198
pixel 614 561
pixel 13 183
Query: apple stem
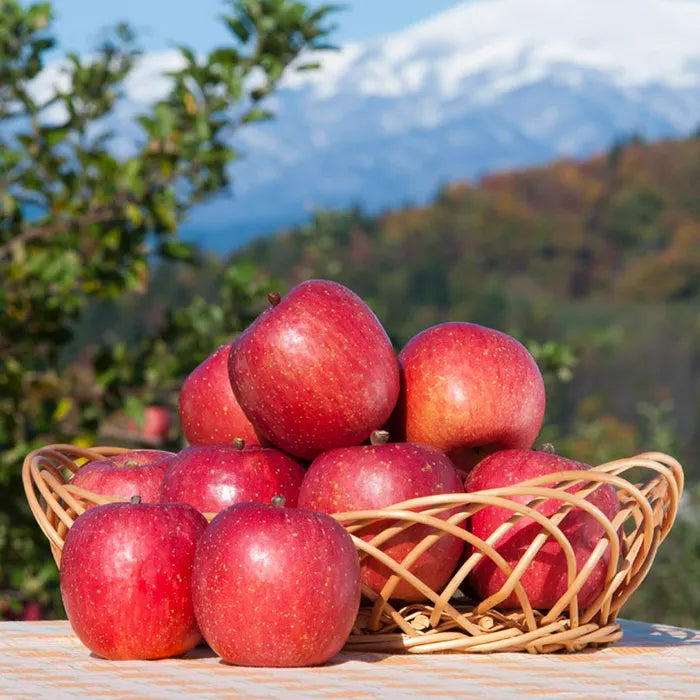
pixel 379 437
pixel 130 463
pixel 547 448
pixel 274 298
pixel 278 501
pixel 239 443
pixel 136 499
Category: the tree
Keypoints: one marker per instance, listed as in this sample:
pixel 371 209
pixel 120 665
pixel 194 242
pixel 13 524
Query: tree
pixel 80 222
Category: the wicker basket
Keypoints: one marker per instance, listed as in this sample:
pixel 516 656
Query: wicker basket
pixel 447 621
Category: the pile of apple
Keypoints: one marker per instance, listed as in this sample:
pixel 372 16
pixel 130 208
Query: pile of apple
pixel 290 423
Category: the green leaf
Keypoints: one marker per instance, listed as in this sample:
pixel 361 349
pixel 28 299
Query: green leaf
pixel 165 120
pixel 313 65
pixel 106 377
pixel 238 28
pixel 133 213
pixel 228 56
pixel 178 250
pixel 63 407
pixel 39 16
pixel 256 115
pixel 188 54
pixel 134 408
pixel 165 217
pixel 56 134
pixel 8 204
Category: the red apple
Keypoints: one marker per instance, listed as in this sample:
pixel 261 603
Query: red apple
pixel 209 412
pixel 315 371
pixel 212 477
pixel 156 422
pixel 126 579
pixel 275 586
pixel 369 477
pixel 545 579
pixel 32 611
pixel 138 472
pixel 469 391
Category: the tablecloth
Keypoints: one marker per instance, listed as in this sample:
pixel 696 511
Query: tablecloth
pixel 45 659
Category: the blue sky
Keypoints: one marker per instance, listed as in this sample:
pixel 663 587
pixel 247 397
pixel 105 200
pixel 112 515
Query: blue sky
pixel 162 23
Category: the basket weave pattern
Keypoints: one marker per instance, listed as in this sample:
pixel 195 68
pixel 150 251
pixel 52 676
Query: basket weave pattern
pixel 447 620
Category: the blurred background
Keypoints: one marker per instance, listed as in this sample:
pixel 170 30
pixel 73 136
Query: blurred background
pixel 530 165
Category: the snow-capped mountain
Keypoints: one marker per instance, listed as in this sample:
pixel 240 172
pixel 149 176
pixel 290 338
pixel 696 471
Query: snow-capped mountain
pixel 485 85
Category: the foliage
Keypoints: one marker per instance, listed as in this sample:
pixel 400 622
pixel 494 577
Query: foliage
pixel 80 220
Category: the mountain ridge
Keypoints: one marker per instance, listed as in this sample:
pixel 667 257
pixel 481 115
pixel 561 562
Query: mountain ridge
pixel 353 141
pixel 485 85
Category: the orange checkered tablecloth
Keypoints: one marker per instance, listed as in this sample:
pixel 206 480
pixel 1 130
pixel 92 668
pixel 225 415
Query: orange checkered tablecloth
pixel 45 659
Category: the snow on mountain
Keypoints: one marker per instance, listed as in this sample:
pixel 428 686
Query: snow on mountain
pixel 636 41
pixel 485 85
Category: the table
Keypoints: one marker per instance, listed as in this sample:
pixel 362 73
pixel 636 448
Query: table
pixel 45 659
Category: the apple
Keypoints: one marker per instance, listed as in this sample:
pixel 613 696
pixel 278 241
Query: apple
pixel 156 423
pixel 212 477
pixel 275 586
pixel 546 579
pixel 369 477
pixel 125 579
pixel 469 391
pixel 209 412
pixel 137 472
pixel 315 371
pixel 32 611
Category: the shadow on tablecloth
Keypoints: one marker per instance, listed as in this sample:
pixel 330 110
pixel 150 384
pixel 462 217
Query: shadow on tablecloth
pixel 646 634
